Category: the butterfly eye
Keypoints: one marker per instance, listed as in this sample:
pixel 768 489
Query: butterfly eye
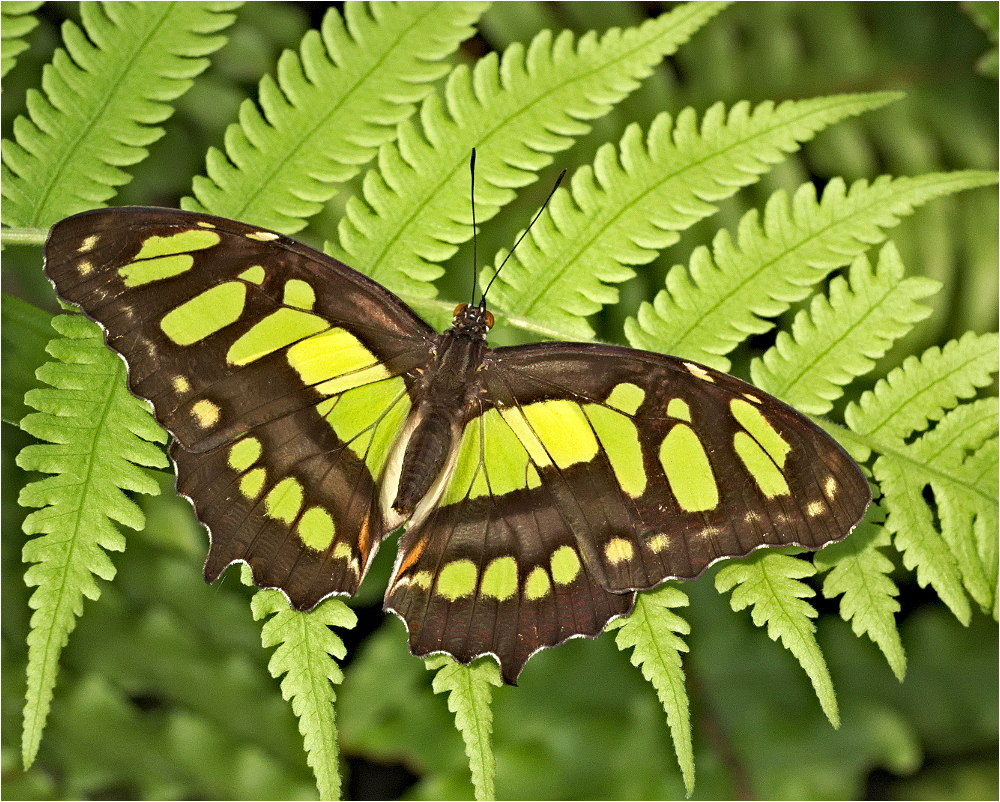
pixel 458 309
pixel 488 317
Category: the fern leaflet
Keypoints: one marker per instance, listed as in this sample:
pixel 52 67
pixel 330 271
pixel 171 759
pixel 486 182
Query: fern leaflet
pixel 469 695
pixel 770 583
pixel 653 631
pixel 98 437
pixel 17 22
pixel 860 571
pixel 104 95
pixel 305 661
pixel 721 298
pixel 842 333
pixel 517 110
pixel 328 110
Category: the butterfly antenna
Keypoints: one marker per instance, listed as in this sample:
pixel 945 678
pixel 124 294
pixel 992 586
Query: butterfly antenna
pixel 538 214
pixel 472 194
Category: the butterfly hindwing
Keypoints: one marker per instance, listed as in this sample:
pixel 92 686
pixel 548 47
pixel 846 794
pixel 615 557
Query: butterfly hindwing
pixel 279 371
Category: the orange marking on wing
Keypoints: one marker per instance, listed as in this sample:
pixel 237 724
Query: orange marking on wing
pixel 412 557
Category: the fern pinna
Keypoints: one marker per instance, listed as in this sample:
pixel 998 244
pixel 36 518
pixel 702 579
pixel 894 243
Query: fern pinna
pixel 376 90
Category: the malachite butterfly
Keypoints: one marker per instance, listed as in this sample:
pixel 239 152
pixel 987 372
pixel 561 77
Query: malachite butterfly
pixel 313 413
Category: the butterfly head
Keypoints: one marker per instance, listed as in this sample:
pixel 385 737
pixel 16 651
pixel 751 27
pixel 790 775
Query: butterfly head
pixel 472 321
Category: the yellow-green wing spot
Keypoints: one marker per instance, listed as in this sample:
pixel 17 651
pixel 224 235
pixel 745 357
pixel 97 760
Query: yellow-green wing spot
pixel 255 275
pixel 376 410
pixel 557 429
pixel 457 579
pixel 205 413
pixel 316 528
pixel 285 500
pixel 620 439
pixel 565 565
pixel 252 483
pixel 280 328
pixel 626 397
pixel 753 420
pixel 298 293
pixel 688 470
pixel 244 454
pixel 762 468
pixel 194 239
pixel 538 584
pixel 500 579
pixel 678 408
pixel 618 550
pixel 422 579
pixel 165 257
pixel 206 313
pixel 335 361
pixel 467 479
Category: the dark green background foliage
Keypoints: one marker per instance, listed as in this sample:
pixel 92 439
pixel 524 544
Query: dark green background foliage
pixel 164 691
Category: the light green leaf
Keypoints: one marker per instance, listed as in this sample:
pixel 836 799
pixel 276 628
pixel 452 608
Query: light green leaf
pixel 769 583
pixel 653 632
pixel 469 695
pixel 99 437
pixel 18 21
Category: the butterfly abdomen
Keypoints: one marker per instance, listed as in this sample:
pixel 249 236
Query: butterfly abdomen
pixel 426 456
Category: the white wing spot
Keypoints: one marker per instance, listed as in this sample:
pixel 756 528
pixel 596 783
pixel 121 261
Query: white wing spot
pixel 698 371
pixel 263 236
pixel 815 508
pixel 88 244
pixel 830 487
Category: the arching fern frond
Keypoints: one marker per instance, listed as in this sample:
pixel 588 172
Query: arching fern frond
pixel 469 696
pixel 99 437
pixel 842 333
pixel 518 110
pixel 103 97
pixel 16 22
pixel 635 199
pixel 329 108
pixel 722 297
pixel 306 662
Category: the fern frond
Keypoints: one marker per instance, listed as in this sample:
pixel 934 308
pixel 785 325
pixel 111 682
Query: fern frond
pixel 103 96
pixel 469 696
pixel 860 571
pixel 16 22
pixel 305 662
pixel 99 436
pixel 722 297
pixel 770 583
pixel 653 631
pixel 843 333
pixel 329 108
pixel 632 202
pixel 517 110
pixel 922 390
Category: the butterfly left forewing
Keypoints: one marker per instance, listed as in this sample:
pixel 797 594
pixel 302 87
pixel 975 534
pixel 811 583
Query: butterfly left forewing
pixel 279 371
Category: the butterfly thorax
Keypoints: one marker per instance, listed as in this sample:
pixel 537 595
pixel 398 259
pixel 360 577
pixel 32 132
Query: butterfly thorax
pixel 446 391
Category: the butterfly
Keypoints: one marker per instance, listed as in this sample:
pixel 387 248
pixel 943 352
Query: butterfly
pixel 541 486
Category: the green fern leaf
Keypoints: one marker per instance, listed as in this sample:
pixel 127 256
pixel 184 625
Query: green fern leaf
pixel 469 696
pixel 98 435
pixel 721 298
pixel 330 107
pixel 860 571
pixel 921 390
pixel 653 632
pixel 635 199
pixel 26 331
pixel 842 333
pixel 103 97
pixel 517 110
pixel 305 661
pixel 769 582
pixel 16 22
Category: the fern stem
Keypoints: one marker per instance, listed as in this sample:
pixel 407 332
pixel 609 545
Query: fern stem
pixel 23 235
